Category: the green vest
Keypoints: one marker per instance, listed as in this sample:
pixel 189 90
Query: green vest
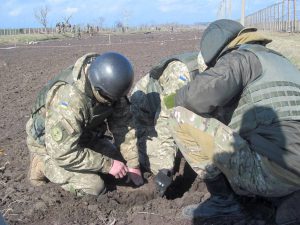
pixel 274 96
pixel 98 112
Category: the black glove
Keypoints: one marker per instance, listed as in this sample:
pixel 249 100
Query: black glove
pixel 163 180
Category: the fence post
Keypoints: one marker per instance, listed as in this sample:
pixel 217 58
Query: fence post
pixel 262 19
pixel 278 15
pixel 274 18
pixel 259 18
pixel 288 19
pixel 282 14
pixel 265 19
pixel 270 19
pixel 295 17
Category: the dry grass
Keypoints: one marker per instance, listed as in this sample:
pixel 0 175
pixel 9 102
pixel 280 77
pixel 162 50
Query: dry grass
pixel 287 44
pixel 26 38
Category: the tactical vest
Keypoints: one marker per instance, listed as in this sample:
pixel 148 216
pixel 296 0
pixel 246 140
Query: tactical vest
pixel 98 112
pixel 273 97
pixel 188 58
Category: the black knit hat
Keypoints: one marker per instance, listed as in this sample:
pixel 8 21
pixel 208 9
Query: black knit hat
pixel 217 36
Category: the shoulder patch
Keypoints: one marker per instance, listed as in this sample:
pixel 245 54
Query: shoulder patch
pixel 61 131
pixel 57 133
pixel 63 104
pixel 182 77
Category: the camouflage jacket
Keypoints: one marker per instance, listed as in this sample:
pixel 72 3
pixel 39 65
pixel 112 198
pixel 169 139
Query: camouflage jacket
pixel 67 115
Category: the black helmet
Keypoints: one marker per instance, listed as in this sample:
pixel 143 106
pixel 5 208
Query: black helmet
pixel 217 36
pixel 111 74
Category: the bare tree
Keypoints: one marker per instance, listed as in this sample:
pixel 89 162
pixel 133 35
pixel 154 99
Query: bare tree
pixel 119 25
pixel 126 15
pixel 66 24
pixel 100 21
pixel 41 15
pixel 66 19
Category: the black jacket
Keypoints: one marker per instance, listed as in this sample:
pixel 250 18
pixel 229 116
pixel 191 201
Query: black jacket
pixel 218 86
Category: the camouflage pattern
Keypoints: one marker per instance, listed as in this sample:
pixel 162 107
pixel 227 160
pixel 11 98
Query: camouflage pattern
pixel 211 147
pixel 75 182
pixel 201 64
pixel 69 163
pixel 156 146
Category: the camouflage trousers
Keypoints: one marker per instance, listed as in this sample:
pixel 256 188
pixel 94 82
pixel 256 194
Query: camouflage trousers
pixel 75 182
pixel 210 147
pixel 156 147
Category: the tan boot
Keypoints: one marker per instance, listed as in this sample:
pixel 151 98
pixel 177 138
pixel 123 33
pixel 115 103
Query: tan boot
pixel 36 170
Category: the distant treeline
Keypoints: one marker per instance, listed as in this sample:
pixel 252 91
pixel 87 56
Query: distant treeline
pixel 96 29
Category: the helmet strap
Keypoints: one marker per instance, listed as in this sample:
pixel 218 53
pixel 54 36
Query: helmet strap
pixel 100 98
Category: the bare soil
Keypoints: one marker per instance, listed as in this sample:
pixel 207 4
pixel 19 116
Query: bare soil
pixel 23 72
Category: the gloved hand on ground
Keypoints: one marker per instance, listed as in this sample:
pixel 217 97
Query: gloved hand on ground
pixel 135 176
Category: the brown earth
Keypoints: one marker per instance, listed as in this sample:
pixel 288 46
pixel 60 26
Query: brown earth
pixel 23 71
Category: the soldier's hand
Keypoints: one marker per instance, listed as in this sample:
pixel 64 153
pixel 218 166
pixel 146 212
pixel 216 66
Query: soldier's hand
pixel 135 176
pixel 118 169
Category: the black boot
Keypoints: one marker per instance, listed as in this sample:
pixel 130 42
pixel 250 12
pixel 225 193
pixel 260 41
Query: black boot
pixel 222 202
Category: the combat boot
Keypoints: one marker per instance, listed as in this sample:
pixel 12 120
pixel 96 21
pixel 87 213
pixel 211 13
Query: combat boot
pixel 36 170
pixel 222 203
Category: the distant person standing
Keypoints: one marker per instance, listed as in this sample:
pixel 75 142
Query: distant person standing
pixel 78 32
pixel 91 31
pixel 58 28
pixel 63 26
pixel 73 31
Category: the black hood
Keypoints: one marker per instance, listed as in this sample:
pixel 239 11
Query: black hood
pixel 216 37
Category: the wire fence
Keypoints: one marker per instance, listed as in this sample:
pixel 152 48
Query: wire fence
pixel 27 31
pixel 282 16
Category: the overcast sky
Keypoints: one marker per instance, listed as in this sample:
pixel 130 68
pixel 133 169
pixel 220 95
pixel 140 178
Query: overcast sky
pixel 20 13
